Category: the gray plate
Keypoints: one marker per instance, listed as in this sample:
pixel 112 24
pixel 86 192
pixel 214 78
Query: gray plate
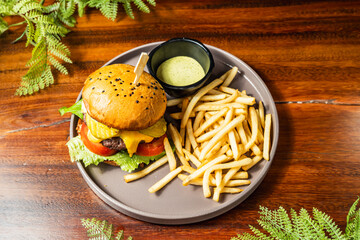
pixel 176 204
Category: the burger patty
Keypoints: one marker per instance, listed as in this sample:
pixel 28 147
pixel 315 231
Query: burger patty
pixel 115 143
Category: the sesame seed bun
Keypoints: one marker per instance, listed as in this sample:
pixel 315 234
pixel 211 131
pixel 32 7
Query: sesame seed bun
pixel 110 97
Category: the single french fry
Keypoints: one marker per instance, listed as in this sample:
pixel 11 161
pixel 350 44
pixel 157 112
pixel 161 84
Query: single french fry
pixel 236 121
pixel 230 77
pixel 254 128
pixel 196 98
pixel 179 115
pixel 213 97
pixel 140 174
pixel 218 107
pixel 218 176
pixel 262 114
pixel 237 182
pixel 255 160
pixel 187 142
pixel 226 90
pixel 174 102
pixel 233 145
pixel 240 175
pixel 231 190
pixel 176 137
pixel 182 135
pixel 199 117
pixel 245 100
pixel 165 180
pixel 190 134
pixel 266 149
pixel 169 154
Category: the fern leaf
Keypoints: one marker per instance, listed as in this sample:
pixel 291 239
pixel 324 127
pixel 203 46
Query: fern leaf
pixel 324 220
pixel 259 234
pixel 20 4
pixel 152 2
pixel 141 6
pixel 51 8
pixel 30 7
pixel 53 42
pixel 60 55
pixel 68 9
pixel 3 26
pixel 81 4
pixel 56 64
pixel 119 235
pixel 352 230
pixel 352 211
pixel 97 229
pixel 30 32
pixel 128 9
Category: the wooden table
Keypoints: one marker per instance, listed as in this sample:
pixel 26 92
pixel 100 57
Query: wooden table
pixel 308 54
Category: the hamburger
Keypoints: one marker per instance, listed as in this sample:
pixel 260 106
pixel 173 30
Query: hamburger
pixel 122 122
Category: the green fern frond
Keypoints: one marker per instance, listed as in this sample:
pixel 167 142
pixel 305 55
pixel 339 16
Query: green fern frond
pixel 152 2
pixel 81 4
pixel 30 32
pixel 141 6
pixel 51 8
pixel 128 9
pixel 56 64
pixel 59 54
pixel 324 220
pixel 30 6
pixel 97 229
pixel 3 26
pixel 352 230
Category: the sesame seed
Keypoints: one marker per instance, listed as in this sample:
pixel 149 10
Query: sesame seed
pixel 137 101
pixel 131 83
pixel 124 95
pixel 148 87
pixel 117 94
pixel 115 89
pixel 138 84
pixel 103 91
pixel 93 88
pixel 156 88
pixel 142 96
pixel 127 70
pixel 147 108
pixel 110 82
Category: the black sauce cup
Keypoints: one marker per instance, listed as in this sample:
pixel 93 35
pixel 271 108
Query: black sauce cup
pixel 181 47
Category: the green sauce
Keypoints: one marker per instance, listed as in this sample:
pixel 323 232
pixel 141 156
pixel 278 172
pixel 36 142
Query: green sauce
pixel 180 71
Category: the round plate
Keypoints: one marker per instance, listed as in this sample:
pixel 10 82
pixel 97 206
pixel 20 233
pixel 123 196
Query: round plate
pixel 176 204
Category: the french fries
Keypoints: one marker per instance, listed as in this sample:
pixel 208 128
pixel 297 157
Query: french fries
pixel 221 136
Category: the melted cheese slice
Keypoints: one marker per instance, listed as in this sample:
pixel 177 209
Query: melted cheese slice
pixel 132 140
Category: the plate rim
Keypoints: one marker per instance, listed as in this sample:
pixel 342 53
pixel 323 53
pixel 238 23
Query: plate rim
pixel 176 219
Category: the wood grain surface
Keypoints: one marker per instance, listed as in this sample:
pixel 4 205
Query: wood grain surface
pixel 307 53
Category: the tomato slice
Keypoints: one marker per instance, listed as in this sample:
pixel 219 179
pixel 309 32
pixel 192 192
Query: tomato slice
pixel 153 148
pixel 96 148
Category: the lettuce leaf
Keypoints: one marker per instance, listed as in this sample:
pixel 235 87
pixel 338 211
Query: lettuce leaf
pixel 74 109
pixel 78 152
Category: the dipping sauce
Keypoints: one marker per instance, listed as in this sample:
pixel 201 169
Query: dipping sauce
pixel 180 71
